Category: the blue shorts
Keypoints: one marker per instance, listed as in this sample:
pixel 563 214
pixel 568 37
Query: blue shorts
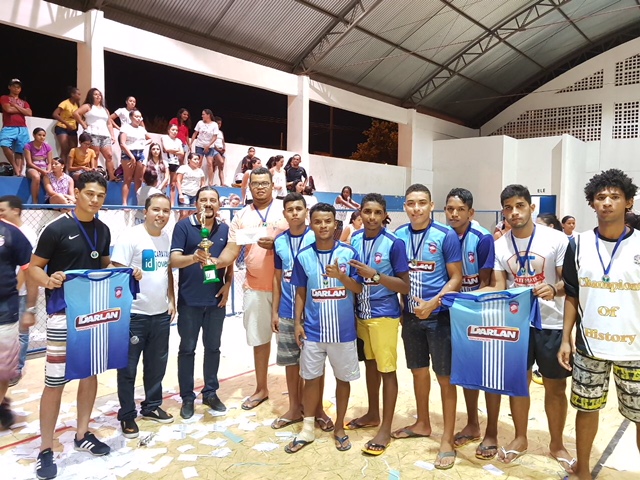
pixel 63 131
pixel 14 138
pixel 211 153
pixel 137 154
pixel 191 200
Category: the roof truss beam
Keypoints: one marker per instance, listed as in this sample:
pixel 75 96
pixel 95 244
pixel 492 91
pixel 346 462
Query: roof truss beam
pixel 491 38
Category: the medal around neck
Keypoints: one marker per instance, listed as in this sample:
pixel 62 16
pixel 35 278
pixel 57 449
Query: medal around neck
pixel 210 271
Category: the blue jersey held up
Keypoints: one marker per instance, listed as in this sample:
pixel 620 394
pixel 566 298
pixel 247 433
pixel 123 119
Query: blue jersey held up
pixel 478 253
pixel 429 251
pixel 329 308
pixel 490 339
pixel 386 254
pixel 287 247
pixel 97 305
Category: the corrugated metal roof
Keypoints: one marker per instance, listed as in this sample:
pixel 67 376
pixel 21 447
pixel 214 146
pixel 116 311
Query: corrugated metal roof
pixel 397 46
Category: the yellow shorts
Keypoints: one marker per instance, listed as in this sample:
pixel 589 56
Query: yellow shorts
pixel 380 337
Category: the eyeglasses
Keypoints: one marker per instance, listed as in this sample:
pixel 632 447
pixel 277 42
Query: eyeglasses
pixel 259 184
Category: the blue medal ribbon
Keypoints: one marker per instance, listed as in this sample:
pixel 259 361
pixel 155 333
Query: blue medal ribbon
pixel 607 269
pixel 325 279
pixel 415 249
pixel 94 246
pixel 266 215
pixel 522 260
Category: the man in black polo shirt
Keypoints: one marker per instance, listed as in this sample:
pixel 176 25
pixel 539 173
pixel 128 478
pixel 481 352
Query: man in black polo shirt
pixel 200 306
pixel 15 251
pixel 75 240
pixel 295 173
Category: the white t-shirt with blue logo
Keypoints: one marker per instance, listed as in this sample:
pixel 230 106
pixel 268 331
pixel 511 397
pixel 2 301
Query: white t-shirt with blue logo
pixel 136 248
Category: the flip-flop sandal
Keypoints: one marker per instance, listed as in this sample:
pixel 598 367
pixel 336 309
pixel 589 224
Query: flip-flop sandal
pixel 442 455
pixel 374 449
pixel 249 404
pixel 467 439
pixel 511 452
pixel 343 443
pixel 408 433
pixel 568 464
pixel 355 425
pixel 282 422
pixel 296 443
pixel 484 448
pixel 325 425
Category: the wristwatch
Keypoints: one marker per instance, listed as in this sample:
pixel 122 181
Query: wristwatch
pixel 376 277
pixel 32 310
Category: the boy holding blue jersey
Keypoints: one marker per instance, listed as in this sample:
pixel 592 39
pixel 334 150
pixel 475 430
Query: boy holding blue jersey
pixel 385 269
pixel 286 247
pixel 435 268
pixel 478 253
pixel 325 286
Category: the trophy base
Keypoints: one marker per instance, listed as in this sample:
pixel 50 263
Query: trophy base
pixel 210 274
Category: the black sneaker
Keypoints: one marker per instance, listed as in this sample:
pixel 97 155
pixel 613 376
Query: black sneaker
pixel 158 415
pixel 6 415
pixel 92 445
pixel 45 466
pixel 129 428
pixel 214 403
pixel 187 409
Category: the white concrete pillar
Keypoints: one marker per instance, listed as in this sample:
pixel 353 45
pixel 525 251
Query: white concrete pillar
pixel 298 118
pixel 91 71
pixel 415 151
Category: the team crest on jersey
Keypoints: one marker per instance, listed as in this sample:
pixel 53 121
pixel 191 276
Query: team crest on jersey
pixel 343 267
pixel 433 248
pixel 481 333
pixel 1 240
pixel 92 320
pixel 118 292
pixel 325 294
pixel 514 307
pixel 472 257
pixel 422 266
pixel 378 257
pixel 636 259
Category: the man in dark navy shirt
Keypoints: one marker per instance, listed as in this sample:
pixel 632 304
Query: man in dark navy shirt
pixel 15 251
pixel 200 305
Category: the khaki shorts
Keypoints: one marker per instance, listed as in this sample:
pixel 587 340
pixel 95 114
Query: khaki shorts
pixel 257 317
pixel 380 337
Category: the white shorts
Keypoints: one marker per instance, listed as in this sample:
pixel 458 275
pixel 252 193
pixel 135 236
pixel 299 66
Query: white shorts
pixel 257 316
pixel 342 356
pixel 9 351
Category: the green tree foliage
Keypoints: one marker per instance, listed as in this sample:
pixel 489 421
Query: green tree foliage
pixel 381 145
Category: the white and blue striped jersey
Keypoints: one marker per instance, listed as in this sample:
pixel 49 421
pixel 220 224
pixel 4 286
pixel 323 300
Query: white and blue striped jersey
pixel 97 305
pixel 287 247
pixel 429 251
pixel 329 315
pixel 478 253
pixel 490 339
pixel 386 254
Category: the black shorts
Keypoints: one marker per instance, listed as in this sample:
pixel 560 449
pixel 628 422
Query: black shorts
pixel 424 338
pixel 173 168
pixel 543 349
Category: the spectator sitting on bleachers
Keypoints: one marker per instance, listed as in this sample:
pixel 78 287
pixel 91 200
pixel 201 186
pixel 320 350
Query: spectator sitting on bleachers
pixel 295 172
pixel 247 199
pixel 66 129
pixel 38 155
pixel 150 177
pixel 159 164
pixel 58 185
pixel 309 197
pixel 189 179
pixel 234 200
pixel 243 166
pixel 82 158
pixel 14 134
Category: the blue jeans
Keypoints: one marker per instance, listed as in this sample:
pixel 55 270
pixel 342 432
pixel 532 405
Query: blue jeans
pixel 190 321
pixel 153 343
pixel 24 336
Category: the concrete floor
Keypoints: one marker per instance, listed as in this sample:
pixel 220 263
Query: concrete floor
pixel 259 453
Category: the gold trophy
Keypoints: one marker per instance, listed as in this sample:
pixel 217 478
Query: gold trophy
pixel 209 269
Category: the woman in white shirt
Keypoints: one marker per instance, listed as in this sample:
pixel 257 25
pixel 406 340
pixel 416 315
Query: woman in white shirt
pixel 133 139
pixel 123 113
pixel 219 158
pixel 247 199
pixel 157 162
pixel 94 118
pixel 190 178
pixel 276 165
pixel 204 138
pixel 175 152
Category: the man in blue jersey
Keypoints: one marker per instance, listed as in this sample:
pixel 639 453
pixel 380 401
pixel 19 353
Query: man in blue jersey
pixel 15 252
pixel 286 247
pixel 385 269
pixel 325 284
pixel 201 306
pixel 76 240
pixel 530 256
pixel 477 249
pixel 435 268
pixel 146 246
